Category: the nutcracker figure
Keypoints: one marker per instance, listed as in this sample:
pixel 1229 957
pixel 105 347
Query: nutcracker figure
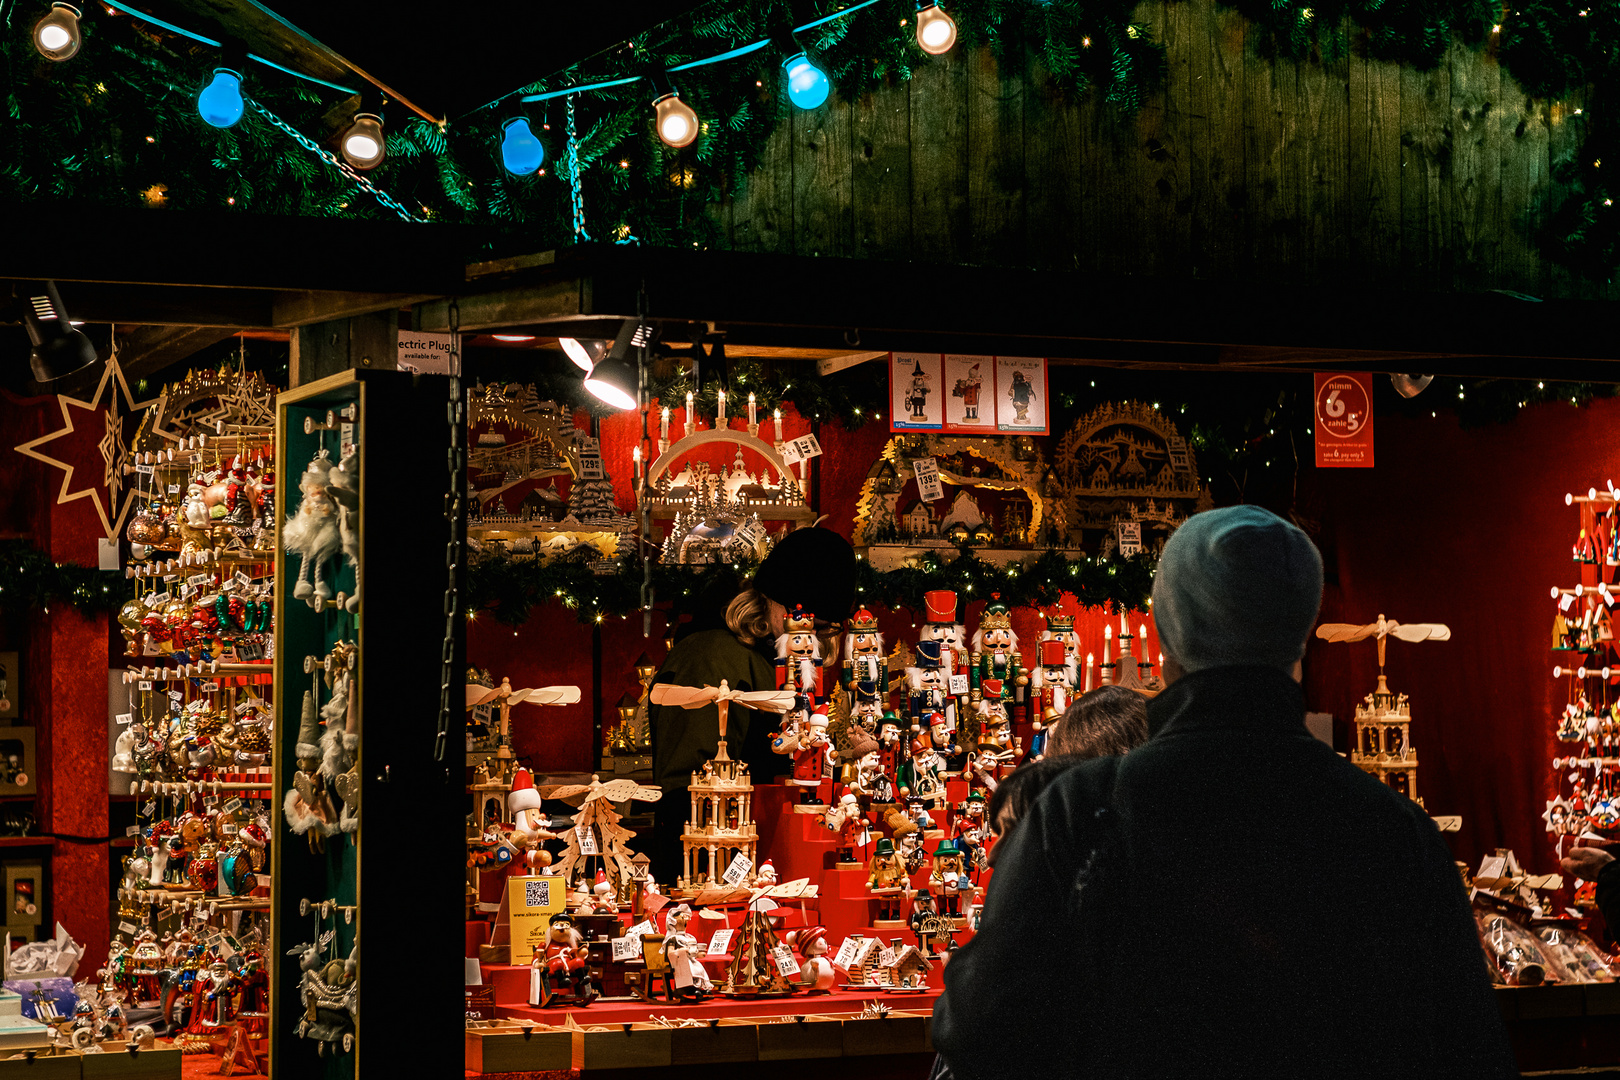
pixel 950 878
pixel 969 832
pixel 886 880
pixel 919 777
pixel 908 845
pixel 942 626
pixel 996 655
pixel 684 955
pixel 810 760
pixel 868 711
pixel 863 654
pixel 929 687
pixel 853 828
pixel 798 652
pixel 1061 628
pixel 1054 687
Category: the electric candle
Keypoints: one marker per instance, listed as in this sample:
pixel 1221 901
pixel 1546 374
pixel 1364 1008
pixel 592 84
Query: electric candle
pixel 721 420
pixel 777 415
pixel 753 420
pixel 689 425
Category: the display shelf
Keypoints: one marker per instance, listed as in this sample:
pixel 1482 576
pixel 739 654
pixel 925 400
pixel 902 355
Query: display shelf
pixel 28 841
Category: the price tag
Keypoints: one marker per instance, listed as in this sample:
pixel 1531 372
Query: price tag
pixel 145 470
pixel 133 830
pixel 233 805
pixel 244 708
pixel 738 870
pixel 229 586
pixel 128 928
pixel 720 942
pixel 125 718
pixel 959 686
pixel 803 448
pixel 645 926
pixel 185 592
pixel 199 580
pixel 144 686
pixel 242 579
pixel 886 957
pixel 1566 601
pixel 262 881
pixel 227 828
pixel 346 436
pixel 210 687
pixel 926 470
pixel 170 577
pixel 782 957
pixel 587 840
pixel 150 808
pixel 590 467
pixel 1130 538
pixel 847 952
pixel 177 696
pixel 626 948
pixel 174 489
pixel 195 459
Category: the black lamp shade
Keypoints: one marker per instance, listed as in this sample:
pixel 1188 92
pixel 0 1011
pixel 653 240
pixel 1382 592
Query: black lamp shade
pixel 616 377
pixel 59 349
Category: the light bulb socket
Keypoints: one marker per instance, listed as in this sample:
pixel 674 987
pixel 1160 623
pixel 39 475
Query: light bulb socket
pixel 616 378
pixel 59 348
pixel 56 34
pixel 362 143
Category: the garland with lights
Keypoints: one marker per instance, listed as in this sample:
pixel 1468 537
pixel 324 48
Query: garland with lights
pixel 508 589
pixel 29 578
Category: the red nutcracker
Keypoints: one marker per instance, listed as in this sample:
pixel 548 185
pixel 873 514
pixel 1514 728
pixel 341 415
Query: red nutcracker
pixel 1054 688
pixel 810 760
pixel 943 626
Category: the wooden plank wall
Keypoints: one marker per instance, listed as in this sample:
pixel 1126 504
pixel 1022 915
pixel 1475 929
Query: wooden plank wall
pixel 1348 171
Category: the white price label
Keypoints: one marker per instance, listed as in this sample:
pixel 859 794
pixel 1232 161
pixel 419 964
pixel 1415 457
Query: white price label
pixel 144 686
pixel 128 928
pixel 133 830
pixel 587 840
pixel 177 696
pixel 803 448
pixel 199 580
pixel 738 870
pixel 145 470
pixel 1566 602
pixel 262 880
pixel 226 828
pixel 242 579
pixel 209 687
pixel 886 957
pixel 926 470
pixel 959 685
pixel 645 926
pixel 233 805
pixel 125 718
pixel 847 952
pixel 150 808
pixel 590 467
pixel 174 489
pixel 346 435
pixel 782 957
pixel 626 948
pixel 1130 538
pixel 720 942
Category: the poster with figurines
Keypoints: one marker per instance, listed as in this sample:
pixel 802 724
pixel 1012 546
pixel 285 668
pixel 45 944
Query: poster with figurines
pixel 915 400
pixel 1021 395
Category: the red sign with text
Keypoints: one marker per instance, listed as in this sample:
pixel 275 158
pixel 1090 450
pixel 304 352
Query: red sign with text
pixel 1344 420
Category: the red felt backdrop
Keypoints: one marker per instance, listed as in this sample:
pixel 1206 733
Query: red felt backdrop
pixel 1468 528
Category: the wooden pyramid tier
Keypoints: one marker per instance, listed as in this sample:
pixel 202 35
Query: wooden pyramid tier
pixel 753 971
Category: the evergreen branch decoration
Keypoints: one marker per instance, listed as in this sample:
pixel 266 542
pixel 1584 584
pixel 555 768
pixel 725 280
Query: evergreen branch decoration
pixel 29 578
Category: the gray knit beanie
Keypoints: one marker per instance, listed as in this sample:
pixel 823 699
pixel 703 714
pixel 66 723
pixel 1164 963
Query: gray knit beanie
pixel 1237 586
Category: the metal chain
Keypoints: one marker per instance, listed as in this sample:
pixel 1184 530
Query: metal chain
pixel 573 178
pixel 643 503
pixel 336 162
pixel 449 676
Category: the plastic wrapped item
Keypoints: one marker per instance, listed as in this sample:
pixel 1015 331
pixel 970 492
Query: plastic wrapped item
pixel 1515 953
pixel 1580 958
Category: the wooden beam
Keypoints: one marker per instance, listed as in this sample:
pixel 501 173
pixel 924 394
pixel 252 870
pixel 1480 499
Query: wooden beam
pixel 830 364
pixel 303 308
pixel 556 301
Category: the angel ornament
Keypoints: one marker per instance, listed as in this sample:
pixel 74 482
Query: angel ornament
pixel 311 532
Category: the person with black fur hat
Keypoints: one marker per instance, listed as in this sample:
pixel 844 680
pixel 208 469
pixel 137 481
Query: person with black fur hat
pixel 813 568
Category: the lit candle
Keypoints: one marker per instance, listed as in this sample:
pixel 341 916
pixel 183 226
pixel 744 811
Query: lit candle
pixel 1108 639
pixel 636 454
pixel 753 420
pixel 1091 658
pixel 1124 627
pixel 689 426
pixel 663 426
pixel 777 414
pixel 1141 635
pixel 1161 661
pixel 721 421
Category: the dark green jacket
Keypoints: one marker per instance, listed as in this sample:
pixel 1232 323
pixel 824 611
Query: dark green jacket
pixel 683 739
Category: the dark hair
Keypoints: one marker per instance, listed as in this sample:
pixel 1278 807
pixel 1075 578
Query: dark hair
pixel 1020 788
pixel 1108 721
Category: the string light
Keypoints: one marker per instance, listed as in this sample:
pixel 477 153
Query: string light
pixel 936 31
pixel 521 150
pixel 362 144
pixel 220 103
pixel 807 84
pixel 676 122
pixel 56 35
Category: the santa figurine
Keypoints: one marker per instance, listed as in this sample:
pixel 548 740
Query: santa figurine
pixel 845 819
pixel 765 876
pixel 528 825
pixel 798 657
pixel 562 963
pixel 810 760
pixel 816 972
pixel 863 653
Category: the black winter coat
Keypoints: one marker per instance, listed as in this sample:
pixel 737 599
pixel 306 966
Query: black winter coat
pixel 1231 899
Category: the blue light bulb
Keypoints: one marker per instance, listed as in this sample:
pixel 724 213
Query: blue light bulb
pixel 521 151
pixel 807 84
pixel 220 103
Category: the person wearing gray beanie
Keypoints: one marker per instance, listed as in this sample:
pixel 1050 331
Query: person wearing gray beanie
pixel 1231 899
pixel 1236 586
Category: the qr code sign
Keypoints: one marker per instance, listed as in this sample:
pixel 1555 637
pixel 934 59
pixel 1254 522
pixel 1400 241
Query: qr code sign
pixel 537 893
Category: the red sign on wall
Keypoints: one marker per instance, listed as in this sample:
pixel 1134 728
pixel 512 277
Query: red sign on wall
pixel 1344 420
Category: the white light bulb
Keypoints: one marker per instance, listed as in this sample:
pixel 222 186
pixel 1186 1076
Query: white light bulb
pixel 577 353
pixel 936 31
pixel 361 146
pixel 54 37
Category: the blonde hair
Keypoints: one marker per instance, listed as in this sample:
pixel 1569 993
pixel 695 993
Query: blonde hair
pixel 748 617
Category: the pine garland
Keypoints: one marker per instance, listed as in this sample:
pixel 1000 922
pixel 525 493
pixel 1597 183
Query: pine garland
pixel 29 578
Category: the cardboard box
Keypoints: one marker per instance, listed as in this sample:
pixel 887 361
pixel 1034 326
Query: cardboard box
pixel 63 1065
pixel 624 1046
pixel 716 1042
pixel 898 1033
pixel 160 1063
pixel 786 1038
pixel 508 1047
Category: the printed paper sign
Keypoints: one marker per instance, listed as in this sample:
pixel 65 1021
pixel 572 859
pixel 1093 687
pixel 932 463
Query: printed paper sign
pixel 970 392
pixel 425 353
pixel 1022 402
pixel 915 399
pixel 886 957
pixel 125 718
pixel 782 957
pixel 929 488
pixel 645 926
pixel 627 948
pixel 1130 538
pixel 1180 460
pixel 720 942
pixel 1566 601
pixel 959 685
pixel 590 467
pixel 740 865
pixel 1344 421
pixel 531 902
pixel 587 840
pixel 127 928
pixel 847 952
pixel 803 448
